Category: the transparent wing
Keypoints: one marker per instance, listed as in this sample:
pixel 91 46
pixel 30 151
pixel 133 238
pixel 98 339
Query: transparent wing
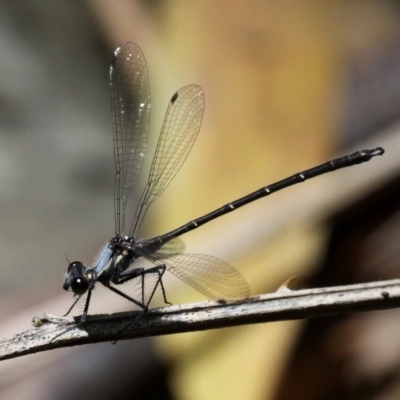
pixel 180 129
pixel 130 108
pixel 209 275
pixel 152 249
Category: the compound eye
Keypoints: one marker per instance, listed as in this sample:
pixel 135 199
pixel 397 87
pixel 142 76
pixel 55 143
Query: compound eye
pixel 76 279
pixel 80 285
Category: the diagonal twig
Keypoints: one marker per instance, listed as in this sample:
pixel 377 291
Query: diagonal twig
pixel 51 332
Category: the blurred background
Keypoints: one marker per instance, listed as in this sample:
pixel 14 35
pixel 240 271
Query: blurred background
pixel 288 85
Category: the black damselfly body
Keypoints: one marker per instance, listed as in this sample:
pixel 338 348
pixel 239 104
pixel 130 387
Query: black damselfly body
pixel 130 104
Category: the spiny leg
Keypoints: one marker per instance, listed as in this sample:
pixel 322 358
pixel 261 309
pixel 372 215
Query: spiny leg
pixel 141 272
pixel 83 316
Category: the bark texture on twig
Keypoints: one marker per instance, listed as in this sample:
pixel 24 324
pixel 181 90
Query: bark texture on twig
pixel 52 332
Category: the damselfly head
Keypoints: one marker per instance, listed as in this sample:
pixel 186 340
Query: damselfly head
pixel 76 279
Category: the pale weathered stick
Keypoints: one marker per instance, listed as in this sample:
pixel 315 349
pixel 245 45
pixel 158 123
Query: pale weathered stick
pixel 50 332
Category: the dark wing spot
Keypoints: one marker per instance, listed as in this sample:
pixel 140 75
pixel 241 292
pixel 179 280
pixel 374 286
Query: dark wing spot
pixel 174 97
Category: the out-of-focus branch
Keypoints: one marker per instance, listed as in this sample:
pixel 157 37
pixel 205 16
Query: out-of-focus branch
pixel 51 332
